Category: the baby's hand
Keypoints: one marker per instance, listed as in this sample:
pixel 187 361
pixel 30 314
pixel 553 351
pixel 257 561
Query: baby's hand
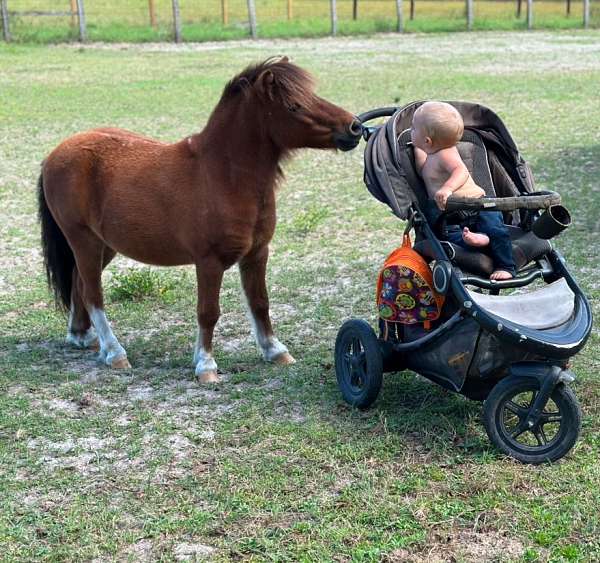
pixel 441 197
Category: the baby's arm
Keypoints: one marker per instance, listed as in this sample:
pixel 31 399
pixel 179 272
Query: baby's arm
pixel 420 158
pixel 453 165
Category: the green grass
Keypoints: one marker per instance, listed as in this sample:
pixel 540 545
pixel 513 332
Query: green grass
pixel 140 284
pixel 271 464
pixel 112 21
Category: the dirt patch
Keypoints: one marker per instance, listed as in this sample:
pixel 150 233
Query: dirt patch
pixel 462 545
pixel 44 501
pixel 62 406
pixel 192 552
pixel 140 393
pixel 90 443
pixel 140 551
pixel 289 413
pixel 84 455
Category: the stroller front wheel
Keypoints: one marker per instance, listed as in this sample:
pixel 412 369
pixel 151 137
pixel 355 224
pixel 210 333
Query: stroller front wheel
pixel 505 412
pixel 358 363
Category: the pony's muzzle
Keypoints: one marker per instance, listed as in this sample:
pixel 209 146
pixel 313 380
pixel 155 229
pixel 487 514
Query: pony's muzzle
pixel 356 128
pixel 350 138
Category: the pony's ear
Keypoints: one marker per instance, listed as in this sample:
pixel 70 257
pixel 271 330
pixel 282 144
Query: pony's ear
pixel 243 85
pixel 265 84
pixel 285 59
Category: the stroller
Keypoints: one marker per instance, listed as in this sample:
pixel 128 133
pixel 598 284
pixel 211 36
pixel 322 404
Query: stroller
pixel 492 342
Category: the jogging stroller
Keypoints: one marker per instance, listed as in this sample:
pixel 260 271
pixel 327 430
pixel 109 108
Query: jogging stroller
pixel 507 342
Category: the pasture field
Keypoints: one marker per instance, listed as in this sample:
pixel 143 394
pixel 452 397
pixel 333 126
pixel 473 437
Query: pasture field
pixel 146 465
pixel 116 20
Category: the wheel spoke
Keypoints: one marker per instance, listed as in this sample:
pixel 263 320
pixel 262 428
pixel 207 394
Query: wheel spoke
pixel 533 396
pixel 515 409
pixel 518 431
pixel 356 347
pixel 550 418
pixel 362 360
pixel 540 436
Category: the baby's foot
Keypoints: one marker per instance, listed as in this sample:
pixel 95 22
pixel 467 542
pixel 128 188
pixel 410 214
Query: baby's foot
pixel 475 239
pixel 501 275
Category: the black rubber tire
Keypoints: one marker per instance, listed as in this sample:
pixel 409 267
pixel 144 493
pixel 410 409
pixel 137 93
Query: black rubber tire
pixel 545 450
pixel 358 363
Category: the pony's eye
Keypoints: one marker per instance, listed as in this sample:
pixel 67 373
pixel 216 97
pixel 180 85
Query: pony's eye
pixel 294 107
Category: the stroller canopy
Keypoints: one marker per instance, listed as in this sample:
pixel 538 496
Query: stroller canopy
pixel 390 175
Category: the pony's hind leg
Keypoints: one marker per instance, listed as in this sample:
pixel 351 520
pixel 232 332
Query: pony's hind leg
pixel 80 331
pixel 253 269
pixel 91 256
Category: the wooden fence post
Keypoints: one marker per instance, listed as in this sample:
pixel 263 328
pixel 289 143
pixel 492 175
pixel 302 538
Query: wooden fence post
pixel 152 13
pixel 400 15
pixel 252 18
pixel 412 9
pixel 5 28
pixel 354 9
pixel 586 13
pixel 176 21
pixel 290 10
pixel 529 14
pixel 81 18
pixel 469 15
pixel 333 7
pixel 73 12
pixel 519 2
pixel 568 7
pixel 224 12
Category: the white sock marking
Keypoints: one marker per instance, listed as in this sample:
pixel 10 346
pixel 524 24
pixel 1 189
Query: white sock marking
pixel 203 360
pixel 110 349
pixel 270 346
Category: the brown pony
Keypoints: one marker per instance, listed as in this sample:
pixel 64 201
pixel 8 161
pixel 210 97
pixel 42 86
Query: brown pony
pixel 208 200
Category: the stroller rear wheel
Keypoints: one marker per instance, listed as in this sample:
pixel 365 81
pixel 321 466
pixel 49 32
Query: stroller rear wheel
pixel 358 363
pixel 505 412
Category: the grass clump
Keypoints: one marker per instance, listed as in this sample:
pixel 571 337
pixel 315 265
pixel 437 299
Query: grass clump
pixel 307 221
pixel 138 284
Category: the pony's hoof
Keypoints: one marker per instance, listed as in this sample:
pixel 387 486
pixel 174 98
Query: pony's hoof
pixel 121 363
pixel 285 359
pixel 209 376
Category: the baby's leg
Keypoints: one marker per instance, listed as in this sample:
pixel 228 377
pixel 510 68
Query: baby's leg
pixel 475 239
pixel 493 225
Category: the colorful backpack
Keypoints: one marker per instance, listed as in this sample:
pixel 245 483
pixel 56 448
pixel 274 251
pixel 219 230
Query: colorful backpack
pixel 405 291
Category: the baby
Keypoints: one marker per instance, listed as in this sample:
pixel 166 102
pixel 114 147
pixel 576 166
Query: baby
pixel 436 128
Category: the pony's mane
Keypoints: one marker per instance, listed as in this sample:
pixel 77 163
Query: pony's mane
pixel 293 85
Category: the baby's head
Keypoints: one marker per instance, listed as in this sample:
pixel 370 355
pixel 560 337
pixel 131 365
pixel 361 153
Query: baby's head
pixel 435 126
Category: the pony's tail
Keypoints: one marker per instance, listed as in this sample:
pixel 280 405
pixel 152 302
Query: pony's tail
pixel 59 260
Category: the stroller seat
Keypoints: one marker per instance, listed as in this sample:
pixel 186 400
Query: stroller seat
pixel 488 173
pixel 542 309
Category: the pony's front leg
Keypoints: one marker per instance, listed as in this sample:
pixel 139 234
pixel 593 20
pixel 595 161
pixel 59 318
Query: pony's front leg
pixel 209 273
pixel 253 269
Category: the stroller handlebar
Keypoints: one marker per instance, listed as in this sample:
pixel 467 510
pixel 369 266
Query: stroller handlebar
pixel 374 114
pixel 534 200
